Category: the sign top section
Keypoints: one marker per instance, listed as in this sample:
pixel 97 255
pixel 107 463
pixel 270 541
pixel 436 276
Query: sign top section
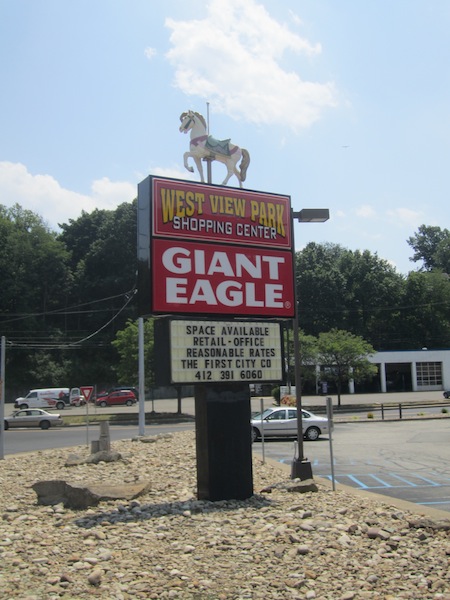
pixel 187 210
pixel 87 390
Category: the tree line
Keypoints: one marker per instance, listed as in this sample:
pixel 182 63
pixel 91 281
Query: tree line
pixel 68 304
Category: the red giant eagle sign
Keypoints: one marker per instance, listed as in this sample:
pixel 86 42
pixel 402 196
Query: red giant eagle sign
pixel 207 278
pixel 219 250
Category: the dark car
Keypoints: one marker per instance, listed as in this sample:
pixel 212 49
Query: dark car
pixel 447 394
pixel 119 397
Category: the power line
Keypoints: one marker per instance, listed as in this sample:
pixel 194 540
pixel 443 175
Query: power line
pixel 76 344
pixel 67 310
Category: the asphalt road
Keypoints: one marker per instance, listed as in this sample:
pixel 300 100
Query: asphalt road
pixel 32 440
pixel 408 459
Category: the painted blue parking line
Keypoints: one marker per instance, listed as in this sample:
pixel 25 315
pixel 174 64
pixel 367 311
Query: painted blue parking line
pixel 400 478
pixel 373 479
pixel 429 482
pixel 384 483
pixel 432 483
pixel 358 482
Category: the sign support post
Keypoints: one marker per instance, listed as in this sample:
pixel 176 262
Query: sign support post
pixel 223 442
pixel 141 377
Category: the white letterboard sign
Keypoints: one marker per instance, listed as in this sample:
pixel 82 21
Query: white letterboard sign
pixel 221 351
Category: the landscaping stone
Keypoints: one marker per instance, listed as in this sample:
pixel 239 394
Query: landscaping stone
pixel 276 545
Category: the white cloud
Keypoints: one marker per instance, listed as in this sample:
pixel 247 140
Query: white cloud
pixel 175 173
pixel 366 211
pixel 405 216
pixel 43 195
pixel 295 18
pixel 150 52
pixel 109 194
pixel 232 58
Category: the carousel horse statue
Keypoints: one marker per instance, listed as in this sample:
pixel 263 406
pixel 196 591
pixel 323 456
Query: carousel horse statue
pixel 204 146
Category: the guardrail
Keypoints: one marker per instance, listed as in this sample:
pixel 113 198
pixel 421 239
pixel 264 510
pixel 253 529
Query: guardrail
pixel 389 407
pixel 411 405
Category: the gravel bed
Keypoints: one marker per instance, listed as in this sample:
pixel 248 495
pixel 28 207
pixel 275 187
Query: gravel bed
pixel 278 544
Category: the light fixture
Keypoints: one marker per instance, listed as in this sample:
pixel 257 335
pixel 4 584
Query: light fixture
pixel 301 467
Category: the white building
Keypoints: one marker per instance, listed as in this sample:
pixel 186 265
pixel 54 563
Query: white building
pixel 413 370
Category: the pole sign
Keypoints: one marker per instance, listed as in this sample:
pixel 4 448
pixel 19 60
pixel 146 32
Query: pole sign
pixel 225 351
pixel 87 390
pixel 212 250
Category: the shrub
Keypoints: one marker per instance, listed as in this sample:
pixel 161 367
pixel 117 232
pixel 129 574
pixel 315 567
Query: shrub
pixel 276 394
pixel 370 415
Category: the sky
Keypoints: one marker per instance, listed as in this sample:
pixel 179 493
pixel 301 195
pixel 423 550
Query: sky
pixel 341 105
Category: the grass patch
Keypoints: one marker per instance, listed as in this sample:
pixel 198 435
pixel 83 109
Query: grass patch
pixel 127 418
pixel 81 419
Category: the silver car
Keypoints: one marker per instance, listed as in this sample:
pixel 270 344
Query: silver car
pixel 282 422
pixel 33 417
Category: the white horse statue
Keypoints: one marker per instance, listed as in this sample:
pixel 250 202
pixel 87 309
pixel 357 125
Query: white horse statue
pixel 205 146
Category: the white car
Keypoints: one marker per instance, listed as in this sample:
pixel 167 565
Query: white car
pixel 281 421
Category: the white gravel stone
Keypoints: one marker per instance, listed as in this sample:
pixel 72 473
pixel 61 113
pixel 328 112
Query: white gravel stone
pixel 321 545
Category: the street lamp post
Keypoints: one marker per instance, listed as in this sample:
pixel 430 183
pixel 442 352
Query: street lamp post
pixel 301 467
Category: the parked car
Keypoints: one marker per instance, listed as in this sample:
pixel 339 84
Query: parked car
pixel 115 398
pixel 119 389
pixel 282 422
pixel 447 394
pixel 33 417
pixel 127 388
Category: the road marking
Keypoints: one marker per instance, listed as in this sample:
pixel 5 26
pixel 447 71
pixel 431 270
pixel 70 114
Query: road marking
pixel 428 481
pixel 371 479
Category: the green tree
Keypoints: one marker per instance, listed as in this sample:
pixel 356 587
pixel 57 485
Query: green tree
pixel 308 360
pixel 424 320
pixel 127 346
pixel 350 290
pixel 431 246
pixel 373 291
pixel 36 283
pixel 345 357
pixel 321 288
pixel 442 255
pixel 34 264
pixel 102 246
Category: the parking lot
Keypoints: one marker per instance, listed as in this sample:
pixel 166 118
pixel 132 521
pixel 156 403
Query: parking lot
pixel 409 459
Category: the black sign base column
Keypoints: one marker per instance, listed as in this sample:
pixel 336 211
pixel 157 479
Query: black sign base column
pixel 223 442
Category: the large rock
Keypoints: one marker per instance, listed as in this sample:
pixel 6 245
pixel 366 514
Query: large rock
pixel 424 523
pixel 80 496
pixel 294 485
pixel 101 456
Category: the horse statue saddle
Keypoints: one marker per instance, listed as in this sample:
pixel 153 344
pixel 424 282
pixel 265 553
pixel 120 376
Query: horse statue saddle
pixel 218 146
